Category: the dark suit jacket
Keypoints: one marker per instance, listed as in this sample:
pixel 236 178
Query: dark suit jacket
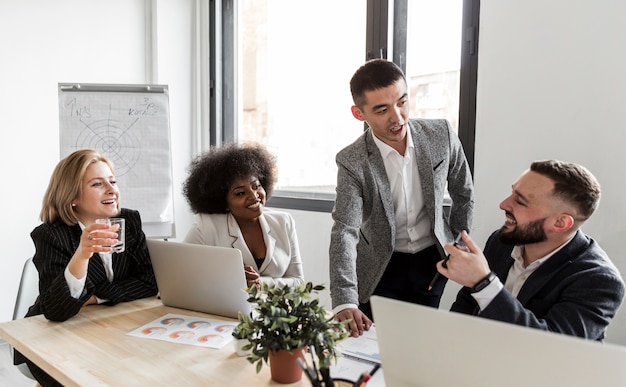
pixel 54 246
pixel 576 292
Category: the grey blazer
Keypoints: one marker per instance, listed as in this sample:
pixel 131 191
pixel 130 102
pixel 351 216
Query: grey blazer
pixel 363 232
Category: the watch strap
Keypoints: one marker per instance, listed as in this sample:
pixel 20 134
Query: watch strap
pixel 483 283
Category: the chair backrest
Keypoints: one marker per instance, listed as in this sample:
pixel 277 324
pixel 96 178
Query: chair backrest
pixel 26 295
pixel 28 291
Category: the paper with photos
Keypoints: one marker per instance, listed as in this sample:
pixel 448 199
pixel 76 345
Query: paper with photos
pixel 364 347
pixel 198 331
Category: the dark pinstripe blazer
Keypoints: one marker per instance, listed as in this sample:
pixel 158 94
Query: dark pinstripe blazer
pixel 55 244
pixel 576 292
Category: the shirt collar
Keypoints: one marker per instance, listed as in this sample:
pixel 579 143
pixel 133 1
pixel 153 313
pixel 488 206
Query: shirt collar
pixel 385 149
pixel 518 251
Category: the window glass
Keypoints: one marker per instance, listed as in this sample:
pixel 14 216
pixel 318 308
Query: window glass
pixel 433 58
pixel 296 61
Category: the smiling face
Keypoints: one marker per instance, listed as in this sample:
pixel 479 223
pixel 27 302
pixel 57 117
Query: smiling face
pixel 99 197
pixel 528 209
pixel 246 199
pixel 386 111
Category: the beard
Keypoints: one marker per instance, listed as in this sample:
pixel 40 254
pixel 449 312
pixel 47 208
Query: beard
pixel 522 235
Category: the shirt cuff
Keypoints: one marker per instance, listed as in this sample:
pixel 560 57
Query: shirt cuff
pixel 485 296
pixel 75 285
pixel 341 307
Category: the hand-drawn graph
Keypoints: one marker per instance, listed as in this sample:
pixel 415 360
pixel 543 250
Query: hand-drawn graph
pixel 115 139
pixel 130 125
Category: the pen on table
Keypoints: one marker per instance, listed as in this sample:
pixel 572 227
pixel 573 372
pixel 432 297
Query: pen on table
pixel 362 380
pixel 373 370
pixel 365 377
pixel 445 260
pixel 309 372
pixel 312 351
pixel 328 381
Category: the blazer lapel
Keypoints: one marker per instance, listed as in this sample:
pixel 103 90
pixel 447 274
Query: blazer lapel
pixel 551 267
pixel 502 266
pixel 240 244
pixel 270 243
pixel 235 233
pixel 423 156
pixel 380 177
pixel 75 233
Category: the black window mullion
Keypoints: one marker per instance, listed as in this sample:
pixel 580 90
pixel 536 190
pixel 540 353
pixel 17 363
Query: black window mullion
pixel 377 27
pixel 468 81
pixel 229 76
pixel 400 15
pixel 223 73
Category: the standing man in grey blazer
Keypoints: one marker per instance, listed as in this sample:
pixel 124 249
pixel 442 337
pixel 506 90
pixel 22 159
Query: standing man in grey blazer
pixel 388 215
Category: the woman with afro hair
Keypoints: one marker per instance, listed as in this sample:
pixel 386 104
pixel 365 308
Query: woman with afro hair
pixel 227 189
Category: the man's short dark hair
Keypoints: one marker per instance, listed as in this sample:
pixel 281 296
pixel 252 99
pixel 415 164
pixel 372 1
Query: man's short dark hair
pixel 573 183
pixel 373 75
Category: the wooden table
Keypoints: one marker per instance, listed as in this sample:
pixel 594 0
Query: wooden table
pixel 92 349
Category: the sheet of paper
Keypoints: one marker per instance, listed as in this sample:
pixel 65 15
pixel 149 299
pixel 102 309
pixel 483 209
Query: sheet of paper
pixel 357 356
pixel 177 328
pixel 363 347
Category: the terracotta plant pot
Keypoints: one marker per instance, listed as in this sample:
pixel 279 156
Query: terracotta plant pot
pixel 284 367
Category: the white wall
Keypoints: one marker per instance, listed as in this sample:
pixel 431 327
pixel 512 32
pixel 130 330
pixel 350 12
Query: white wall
pixel 43 43
pixel 550 85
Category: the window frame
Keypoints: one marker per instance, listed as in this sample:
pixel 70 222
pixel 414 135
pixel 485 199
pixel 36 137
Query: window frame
pixel 224 83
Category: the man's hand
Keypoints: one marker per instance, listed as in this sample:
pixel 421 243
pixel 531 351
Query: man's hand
pixel 467 265
pixel 360 322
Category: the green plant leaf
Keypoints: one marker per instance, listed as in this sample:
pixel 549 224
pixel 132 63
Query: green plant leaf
pixel 288 318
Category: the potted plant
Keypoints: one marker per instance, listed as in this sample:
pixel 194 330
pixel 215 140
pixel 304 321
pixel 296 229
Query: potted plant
pixel 288 319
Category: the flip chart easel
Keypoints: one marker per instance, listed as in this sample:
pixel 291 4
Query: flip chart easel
pixel 130 125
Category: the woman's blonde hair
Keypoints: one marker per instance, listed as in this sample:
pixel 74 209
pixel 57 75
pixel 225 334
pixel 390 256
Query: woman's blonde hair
pixel 66 185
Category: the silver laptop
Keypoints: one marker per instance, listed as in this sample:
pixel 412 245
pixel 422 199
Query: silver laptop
pixel 421 346
pixel 203 278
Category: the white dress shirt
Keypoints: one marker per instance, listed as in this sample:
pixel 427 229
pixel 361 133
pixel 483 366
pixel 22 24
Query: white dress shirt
pixel 518 274
pixel 413 228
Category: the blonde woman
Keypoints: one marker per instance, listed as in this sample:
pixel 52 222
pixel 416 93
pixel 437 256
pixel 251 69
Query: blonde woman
pixel 72 252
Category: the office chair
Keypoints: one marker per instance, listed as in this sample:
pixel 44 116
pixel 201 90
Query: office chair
pixel 26 295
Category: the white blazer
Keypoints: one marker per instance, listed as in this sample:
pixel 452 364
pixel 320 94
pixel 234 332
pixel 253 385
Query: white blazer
pixel 282 265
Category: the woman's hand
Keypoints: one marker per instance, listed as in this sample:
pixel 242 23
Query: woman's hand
pixel 252 277
pixel 91 301
pixel 96 238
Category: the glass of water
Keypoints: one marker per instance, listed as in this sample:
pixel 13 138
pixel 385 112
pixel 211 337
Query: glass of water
pixel 119 247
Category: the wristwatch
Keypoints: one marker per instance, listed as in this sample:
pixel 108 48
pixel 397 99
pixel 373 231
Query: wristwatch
pixel 483 283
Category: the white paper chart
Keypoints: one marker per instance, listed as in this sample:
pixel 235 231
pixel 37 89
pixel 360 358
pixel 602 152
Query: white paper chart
pixel 177 328
pixel 130 125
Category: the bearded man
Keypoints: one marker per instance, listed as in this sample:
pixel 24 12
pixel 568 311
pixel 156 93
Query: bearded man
pixel 540 270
